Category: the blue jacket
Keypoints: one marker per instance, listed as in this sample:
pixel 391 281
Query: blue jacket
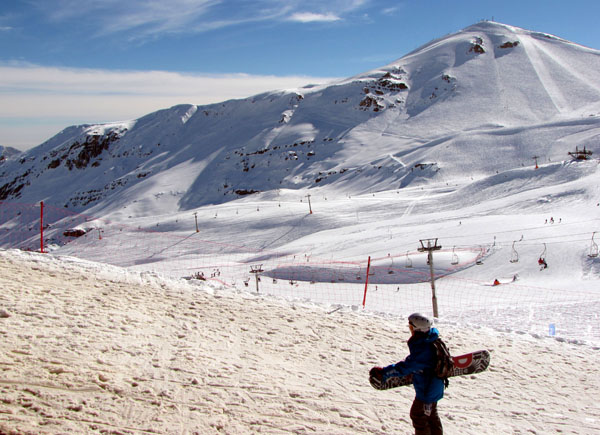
pixel 420 363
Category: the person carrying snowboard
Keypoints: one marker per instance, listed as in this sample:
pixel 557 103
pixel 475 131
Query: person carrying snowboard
pixel 420 363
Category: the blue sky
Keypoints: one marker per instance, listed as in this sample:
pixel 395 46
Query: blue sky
pixel 65 62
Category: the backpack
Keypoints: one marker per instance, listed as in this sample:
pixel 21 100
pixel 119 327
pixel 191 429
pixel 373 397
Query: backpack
pixel 443 362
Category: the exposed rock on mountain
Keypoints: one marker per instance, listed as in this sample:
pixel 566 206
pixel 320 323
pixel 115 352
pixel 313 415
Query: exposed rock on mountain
pixel 482 100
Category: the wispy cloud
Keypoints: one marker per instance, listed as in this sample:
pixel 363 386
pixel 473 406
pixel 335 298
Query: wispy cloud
pixel 308 17
pixel 40 101
pixel 141 19
pixel 390 11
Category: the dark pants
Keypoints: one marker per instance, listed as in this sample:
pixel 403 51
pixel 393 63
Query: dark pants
pixel 425 418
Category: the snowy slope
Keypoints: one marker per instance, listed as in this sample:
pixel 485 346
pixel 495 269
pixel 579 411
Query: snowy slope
pixel 96 349
pixel 485 99
pixel 438 144
pixel 7 153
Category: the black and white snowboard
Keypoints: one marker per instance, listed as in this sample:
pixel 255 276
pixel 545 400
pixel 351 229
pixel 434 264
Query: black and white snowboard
pixel 467 364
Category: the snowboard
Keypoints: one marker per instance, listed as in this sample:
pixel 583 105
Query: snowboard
pixel 467 364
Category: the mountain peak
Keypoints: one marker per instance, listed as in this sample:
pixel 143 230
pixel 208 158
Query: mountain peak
pixel 482 100
pixel 487 26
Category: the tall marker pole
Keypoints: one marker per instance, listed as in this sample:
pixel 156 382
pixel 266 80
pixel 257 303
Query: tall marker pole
pixel 42 227
pixel 367 281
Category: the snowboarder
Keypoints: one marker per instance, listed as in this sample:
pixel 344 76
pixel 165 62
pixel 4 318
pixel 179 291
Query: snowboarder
pixel 496 282
pixel 542 263
pixel 429 389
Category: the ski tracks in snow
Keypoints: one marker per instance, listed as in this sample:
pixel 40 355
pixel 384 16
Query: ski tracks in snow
pixel 95 349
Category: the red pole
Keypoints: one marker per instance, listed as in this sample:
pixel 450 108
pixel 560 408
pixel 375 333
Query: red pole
pixel 367 281
pixel 42 227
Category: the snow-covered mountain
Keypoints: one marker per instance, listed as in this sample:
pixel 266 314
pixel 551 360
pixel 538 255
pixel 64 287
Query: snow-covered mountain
pixel 470 105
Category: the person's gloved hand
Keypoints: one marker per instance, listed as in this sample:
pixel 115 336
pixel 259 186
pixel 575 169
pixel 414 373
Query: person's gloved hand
pixel 376 377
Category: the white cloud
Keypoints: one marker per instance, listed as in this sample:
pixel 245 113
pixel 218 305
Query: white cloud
pixel 48 99
pixel 308 17
pixel 41 80
pixel 141 19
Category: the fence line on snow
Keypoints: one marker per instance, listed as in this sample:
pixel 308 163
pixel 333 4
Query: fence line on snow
pixel 397 283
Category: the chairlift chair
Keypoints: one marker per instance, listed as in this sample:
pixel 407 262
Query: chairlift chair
pixel 454 257
pixel 542 259
pixel 593 248
pixel 515 255
pixel 408 263
pixel 479 259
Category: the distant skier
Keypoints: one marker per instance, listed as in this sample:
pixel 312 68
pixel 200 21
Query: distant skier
pixel 496 282
pixel 420 363
pixel 542 263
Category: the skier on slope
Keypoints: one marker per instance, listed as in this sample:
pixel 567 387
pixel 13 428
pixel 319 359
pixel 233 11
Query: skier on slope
pixel 420 363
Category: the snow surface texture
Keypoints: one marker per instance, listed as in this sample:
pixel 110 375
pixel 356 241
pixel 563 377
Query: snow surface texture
pixel 439 144
pixel 90 348
pixel 484 100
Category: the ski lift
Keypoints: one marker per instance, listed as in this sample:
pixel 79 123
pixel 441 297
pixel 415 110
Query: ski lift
pixel 454 257
pixel 515 255
pixel 593 248
pixel 391 269
pixel 408 262
pixel 479 259
pixel 542 259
